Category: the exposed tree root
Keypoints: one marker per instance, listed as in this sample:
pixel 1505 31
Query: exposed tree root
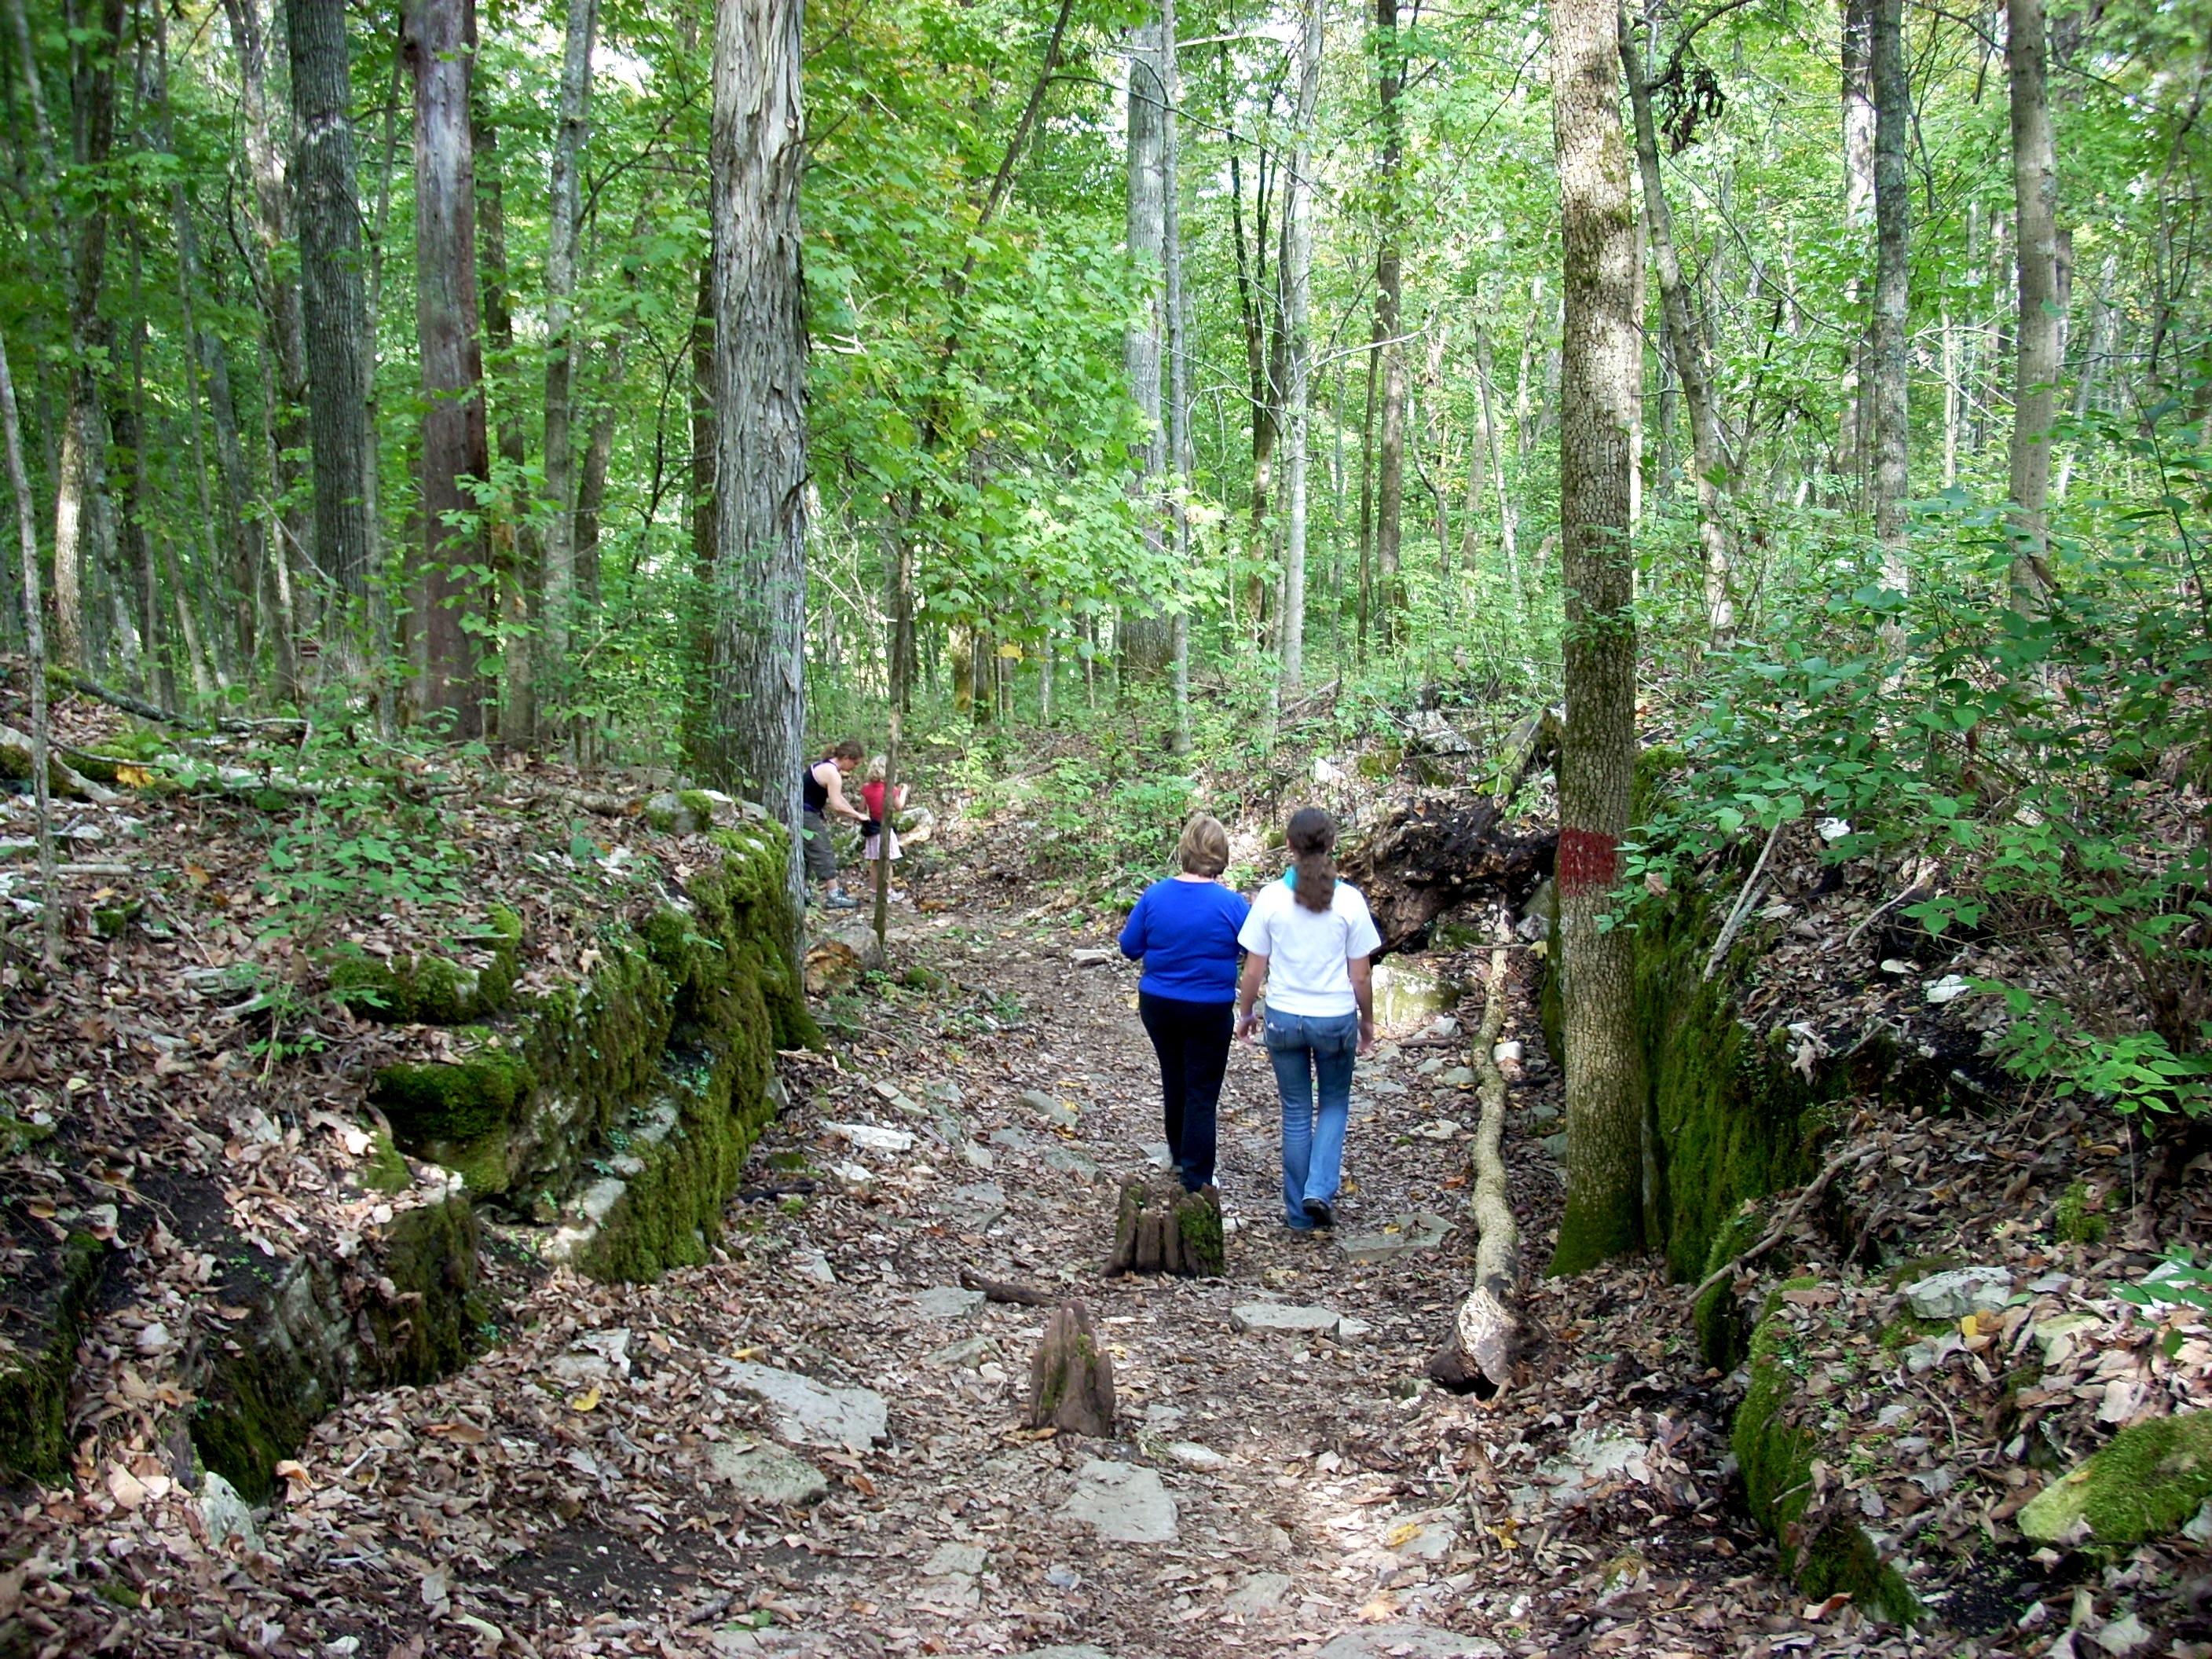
pixel 1478 1355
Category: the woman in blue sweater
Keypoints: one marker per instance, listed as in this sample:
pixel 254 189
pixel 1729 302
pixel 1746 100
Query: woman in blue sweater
pixel 1184 929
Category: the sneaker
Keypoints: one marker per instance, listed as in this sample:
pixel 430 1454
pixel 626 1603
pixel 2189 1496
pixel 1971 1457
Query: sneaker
pixel 1319 1213
pixel 841 902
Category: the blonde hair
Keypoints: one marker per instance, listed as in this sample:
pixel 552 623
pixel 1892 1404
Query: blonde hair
pixel 877 768
pixel 1203 848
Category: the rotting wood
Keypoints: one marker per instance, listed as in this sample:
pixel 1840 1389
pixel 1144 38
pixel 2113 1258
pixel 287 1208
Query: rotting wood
pixel 1072 1377
pixel 1001 1290
pixel 1425 858
pixel 160 716
pixel 1480 1350
pixel 1160 1228
pixel 839 957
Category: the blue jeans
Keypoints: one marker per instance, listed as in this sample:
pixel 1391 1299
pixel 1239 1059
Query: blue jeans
pixel 1306 1048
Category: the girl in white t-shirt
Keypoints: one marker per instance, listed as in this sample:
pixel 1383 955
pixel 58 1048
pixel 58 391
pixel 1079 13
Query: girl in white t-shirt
pixel 1309 940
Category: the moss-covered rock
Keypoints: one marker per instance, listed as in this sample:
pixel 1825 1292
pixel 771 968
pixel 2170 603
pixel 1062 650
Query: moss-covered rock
pixel 434 990
pixel 34 1383
pixel 2146 1482
pixel 1776 1437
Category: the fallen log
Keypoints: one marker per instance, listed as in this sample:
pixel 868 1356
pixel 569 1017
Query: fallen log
pixel 160 716
pixel 1477 1356
pixel 1000 1289
pixel 62 778
pixel 1427 858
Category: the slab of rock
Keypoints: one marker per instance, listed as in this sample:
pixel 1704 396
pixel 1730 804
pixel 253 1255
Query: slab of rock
pixel 1091 956
pixel 870 1138
pixel 812 1264
pixel 1263 1592
pixel 1074 1162
pixel 1415 1230
pixel 1159 1154
pixel 1288 1317
pixel 1083 1650
pixel 947 1302
pixel 961 1356
pixel 595 1356
pixel 1962 1291
pixel 951 1557
pixel 224 1514
pixel 1125 1502
pixel 1432 1541
pixel 768 1475
pixel 1072 1377
pixel 975 1208
pixel 2147 1482
pixel 1408 1641
pixel 1056 1112
pixel 1191 1455
pixel 812 1413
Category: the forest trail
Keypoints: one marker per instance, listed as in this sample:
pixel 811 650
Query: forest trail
pixel 1274 1492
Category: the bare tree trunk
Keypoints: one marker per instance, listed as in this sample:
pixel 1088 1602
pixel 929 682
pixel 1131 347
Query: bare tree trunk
pixel 706 522
pixel 439 43
pixel 565 226
pixel 1683 338
pixel 1954 401
pixel 1509 514
pixel 1298 273
pixel 35 635
pixel 341 357
pixel 1366 595
pixel 1146 642
pixel 1598 362
pixel 756 673
pixel 1178 391
pixel 1390 482
pixel 2035 196
pixel 1887 363
pixel 1858 131
pixel 515 551
pixel 2104 340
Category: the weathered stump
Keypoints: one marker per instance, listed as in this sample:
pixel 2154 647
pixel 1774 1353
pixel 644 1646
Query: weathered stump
pixel 1072 1378
pixel 1159 1228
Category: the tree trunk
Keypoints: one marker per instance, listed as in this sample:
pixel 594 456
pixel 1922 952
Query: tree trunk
pixel 1599 358
pixel 1683 340
pixel 1298 273
pixel 514 551
pixel 1366 596
pixel 1509 516
pixel 2104 340
pixel 1390 480
pixel 1178 377
pixel 341 355
pixel 565 224
pixel 35 636
pixel 756 673
pixel 1858 132
pixel 92 104
pixel 439 43
pixel 1144 641
pixel 1887 364
pixel 2035 379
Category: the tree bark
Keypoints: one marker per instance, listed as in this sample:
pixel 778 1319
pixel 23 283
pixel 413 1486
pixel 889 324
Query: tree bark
pixel 1887 363
pixel 1509 514
pixel 1144 634
pixel 513 541
pixel 341 357
pixel 2104 340
pixel 439 43
pixel 1297 285
pixel 1600 359
pixel 2035 197
pixel 34 636
pixel 1178 378
pixel 565 226
pixel 757 669
pixel 1390 460
pixel 1686 351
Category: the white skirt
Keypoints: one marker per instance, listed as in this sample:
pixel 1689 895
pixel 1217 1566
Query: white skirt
pixel 874 848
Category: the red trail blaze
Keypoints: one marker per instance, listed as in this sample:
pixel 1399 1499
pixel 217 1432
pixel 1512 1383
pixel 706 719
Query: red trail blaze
pixel 1588 861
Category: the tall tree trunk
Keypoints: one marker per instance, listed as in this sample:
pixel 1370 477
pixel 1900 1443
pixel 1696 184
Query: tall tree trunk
pixel 1390 461
pixel 565 224
pixel 1297 274
pixel 2104 339
pixel 1178 377
pixel 1858 132
pixel 1509 516
pixel 2035 378
pixel 1887 363
pixel 440 42
pixel 706 520
pixel 93 47
pixel 1600 360
pixel 280 301
pixel 1261 312
pixel 514 553
pixel 35 635
pixel 756 674
pixel 341 355
pixel 1366 595
pixel 1684 339
pixel 1146 633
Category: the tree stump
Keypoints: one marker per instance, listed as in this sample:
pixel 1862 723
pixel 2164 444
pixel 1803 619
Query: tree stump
pixel 1159 1228
pixel 1072 1378
pixel 839 957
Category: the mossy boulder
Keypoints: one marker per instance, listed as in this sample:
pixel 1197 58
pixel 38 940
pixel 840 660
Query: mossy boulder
pixel 1776 1437
pixel 34 1381
pixel 460 1114
pixel 423 989
pixel 2145 1483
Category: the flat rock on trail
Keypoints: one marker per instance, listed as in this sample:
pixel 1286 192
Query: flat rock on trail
pixel 1279 1484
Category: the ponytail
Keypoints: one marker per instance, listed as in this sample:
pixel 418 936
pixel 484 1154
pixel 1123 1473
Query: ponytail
pixel 1311 834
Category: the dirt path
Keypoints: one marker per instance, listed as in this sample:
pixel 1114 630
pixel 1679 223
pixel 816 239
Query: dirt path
pixel 582 1489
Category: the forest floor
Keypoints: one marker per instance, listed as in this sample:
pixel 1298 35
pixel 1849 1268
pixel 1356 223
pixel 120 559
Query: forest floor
pixel 616 1475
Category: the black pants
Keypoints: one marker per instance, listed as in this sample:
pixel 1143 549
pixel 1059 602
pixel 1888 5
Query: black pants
pixel 1192 1040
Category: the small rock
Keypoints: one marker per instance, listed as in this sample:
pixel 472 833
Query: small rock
pixel 595 1356
pixel 1263 1592
pixel 967 1354
pixel 870 1138
pixel 1383 1086
pixel 1083 1650
pixel 812 1264
pixel 1962 1291
pixel 1286 1317
pixel 947 1302
pixel 977 1157
pixel 1459 1077
pixel 967 1558
pixel 858 1176
pixel 812 1413
pixel 1074 1162
pixel 1191 1455
pixel 974 1208
pixel 1409 1640
pixel 1924 1356
pixel 1091 956
pixel 1441 1128
pixel 1159 1154
pixel 1371 1250
pixel 1057 1113
pixel 946 1089
pixel 768 1475
pixel 1125 1502
pixel 224 1514
pixel 1555 1145
pixel 1433 1542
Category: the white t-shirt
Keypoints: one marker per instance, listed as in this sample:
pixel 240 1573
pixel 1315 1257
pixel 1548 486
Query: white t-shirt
pixel 1307 950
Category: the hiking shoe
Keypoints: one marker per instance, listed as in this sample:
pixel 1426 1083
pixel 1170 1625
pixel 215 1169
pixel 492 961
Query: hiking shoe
pixel 1319 1213
pixel 841 902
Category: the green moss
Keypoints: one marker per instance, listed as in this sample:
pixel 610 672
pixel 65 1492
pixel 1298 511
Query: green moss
pixel 434 990
pixel 34 1385
pixel 698 803
pixel 387 1171
pixel 1723 1337
pixel 2146 1481
pixel 119 1595
pixel 1198 1220
pixel 136 746
pixel 2076 1222
pixel 455 1101
pixel 1775 1448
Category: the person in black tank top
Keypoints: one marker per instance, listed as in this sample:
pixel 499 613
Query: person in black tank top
pixel 821 798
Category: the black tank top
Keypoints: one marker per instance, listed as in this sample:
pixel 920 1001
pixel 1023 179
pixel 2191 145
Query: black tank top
pixel 812 791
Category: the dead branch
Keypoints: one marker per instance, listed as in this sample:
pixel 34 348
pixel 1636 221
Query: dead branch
pixel 1000 1289
pixel 1787 1218
pixel 1743 902
pixel 1481 1346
